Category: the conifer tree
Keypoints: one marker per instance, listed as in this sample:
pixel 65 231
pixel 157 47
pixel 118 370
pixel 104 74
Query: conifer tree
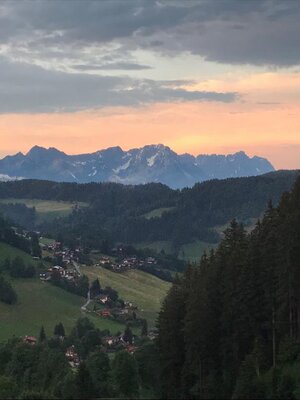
pixel 59 330
pixel 128 336
pixel 144 331
pixel 42 335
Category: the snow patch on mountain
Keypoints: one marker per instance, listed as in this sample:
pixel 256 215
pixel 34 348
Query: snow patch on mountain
pixel 151 160
pixel 7 178
pixel 122 167
pixel 151 163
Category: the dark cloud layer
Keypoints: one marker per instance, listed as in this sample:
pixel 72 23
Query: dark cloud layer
pixel 28 88
pixel 232 31
pixel 77 42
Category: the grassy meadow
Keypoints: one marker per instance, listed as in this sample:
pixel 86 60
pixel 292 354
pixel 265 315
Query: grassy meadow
pixel 144 290
pixel 40 303
pixel 158 212
pixel 46 209
pixel 190 252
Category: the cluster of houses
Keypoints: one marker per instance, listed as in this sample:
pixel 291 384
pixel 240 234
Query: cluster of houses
pixel 68 259
pixel 67 273
pixel 117 313
pixel 114 343
pixel 66 255
pixel 110 344
pixel 70 353
pixel 126 312
pixel 126 263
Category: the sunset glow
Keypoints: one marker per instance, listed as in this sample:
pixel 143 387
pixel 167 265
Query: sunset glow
pixel 185 98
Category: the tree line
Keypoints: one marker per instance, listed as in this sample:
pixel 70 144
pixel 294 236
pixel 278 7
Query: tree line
pixel 116 212
pixel 230 327
pixel 42 371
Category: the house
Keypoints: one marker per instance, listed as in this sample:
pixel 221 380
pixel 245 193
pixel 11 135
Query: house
pixel 131 349
pixel 72 356
pixel 45 276
pixel 104 313
pixel 110 340
pixel 104 261
pixel 103 298
pixel 32 340
pixel 151 260
pixel 124 342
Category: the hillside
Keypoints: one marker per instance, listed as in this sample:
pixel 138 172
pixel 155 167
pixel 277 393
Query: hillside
pixel 41 303
pixel 142 289
pixel 229 328
pixel 151 213
pixel 7 251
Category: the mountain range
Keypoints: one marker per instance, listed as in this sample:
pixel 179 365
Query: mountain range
pixel 151 163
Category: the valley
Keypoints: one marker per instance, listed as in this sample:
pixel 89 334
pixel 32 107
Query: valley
pixel 40 303
pixel 73 272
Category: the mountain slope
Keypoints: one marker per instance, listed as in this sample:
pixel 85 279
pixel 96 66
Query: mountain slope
pixel 152 163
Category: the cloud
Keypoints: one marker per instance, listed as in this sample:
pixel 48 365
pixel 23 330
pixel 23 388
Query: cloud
pixel 260 32
pixel 28 88
pixel 111 66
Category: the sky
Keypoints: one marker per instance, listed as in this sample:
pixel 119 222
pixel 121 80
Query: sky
pixel 203 76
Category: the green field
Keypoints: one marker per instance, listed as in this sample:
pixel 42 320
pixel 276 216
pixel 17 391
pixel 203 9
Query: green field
pixel 144 290
pixel 190 252
pixel 157 213
pixel 41 303
pixel 46 209
pixel 7 251
pixel 46 241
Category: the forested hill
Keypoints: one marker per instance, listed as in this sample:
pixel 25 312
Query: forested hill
pixel 121 213
pixel 230 328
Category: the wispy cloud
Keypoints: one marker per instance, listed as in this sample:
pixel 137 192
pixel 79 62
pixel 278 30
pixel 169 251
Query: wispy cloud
pixel 30 88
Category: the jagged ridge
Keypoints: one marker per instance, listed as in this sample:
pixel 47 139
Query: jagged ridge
pixel 151 163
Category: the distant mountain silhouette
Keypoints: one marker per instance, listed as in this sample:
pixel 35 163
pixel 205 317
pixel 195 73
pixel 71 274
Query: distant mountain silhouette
pixel 151 163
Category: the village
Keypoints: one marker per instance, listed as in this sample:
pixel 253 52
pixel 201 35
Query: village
pixel 62 266
pixel 126 263
pixel 118 262
pixel 102 302
pixel 66 259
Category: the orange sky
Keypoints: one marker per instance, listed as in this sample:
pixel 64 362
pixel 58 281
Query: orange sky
pixel 212 76
pixel 265 121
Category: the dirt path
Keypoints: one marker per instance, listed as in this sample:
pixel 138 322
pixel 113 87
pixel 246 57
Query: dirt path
pixel 84 307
